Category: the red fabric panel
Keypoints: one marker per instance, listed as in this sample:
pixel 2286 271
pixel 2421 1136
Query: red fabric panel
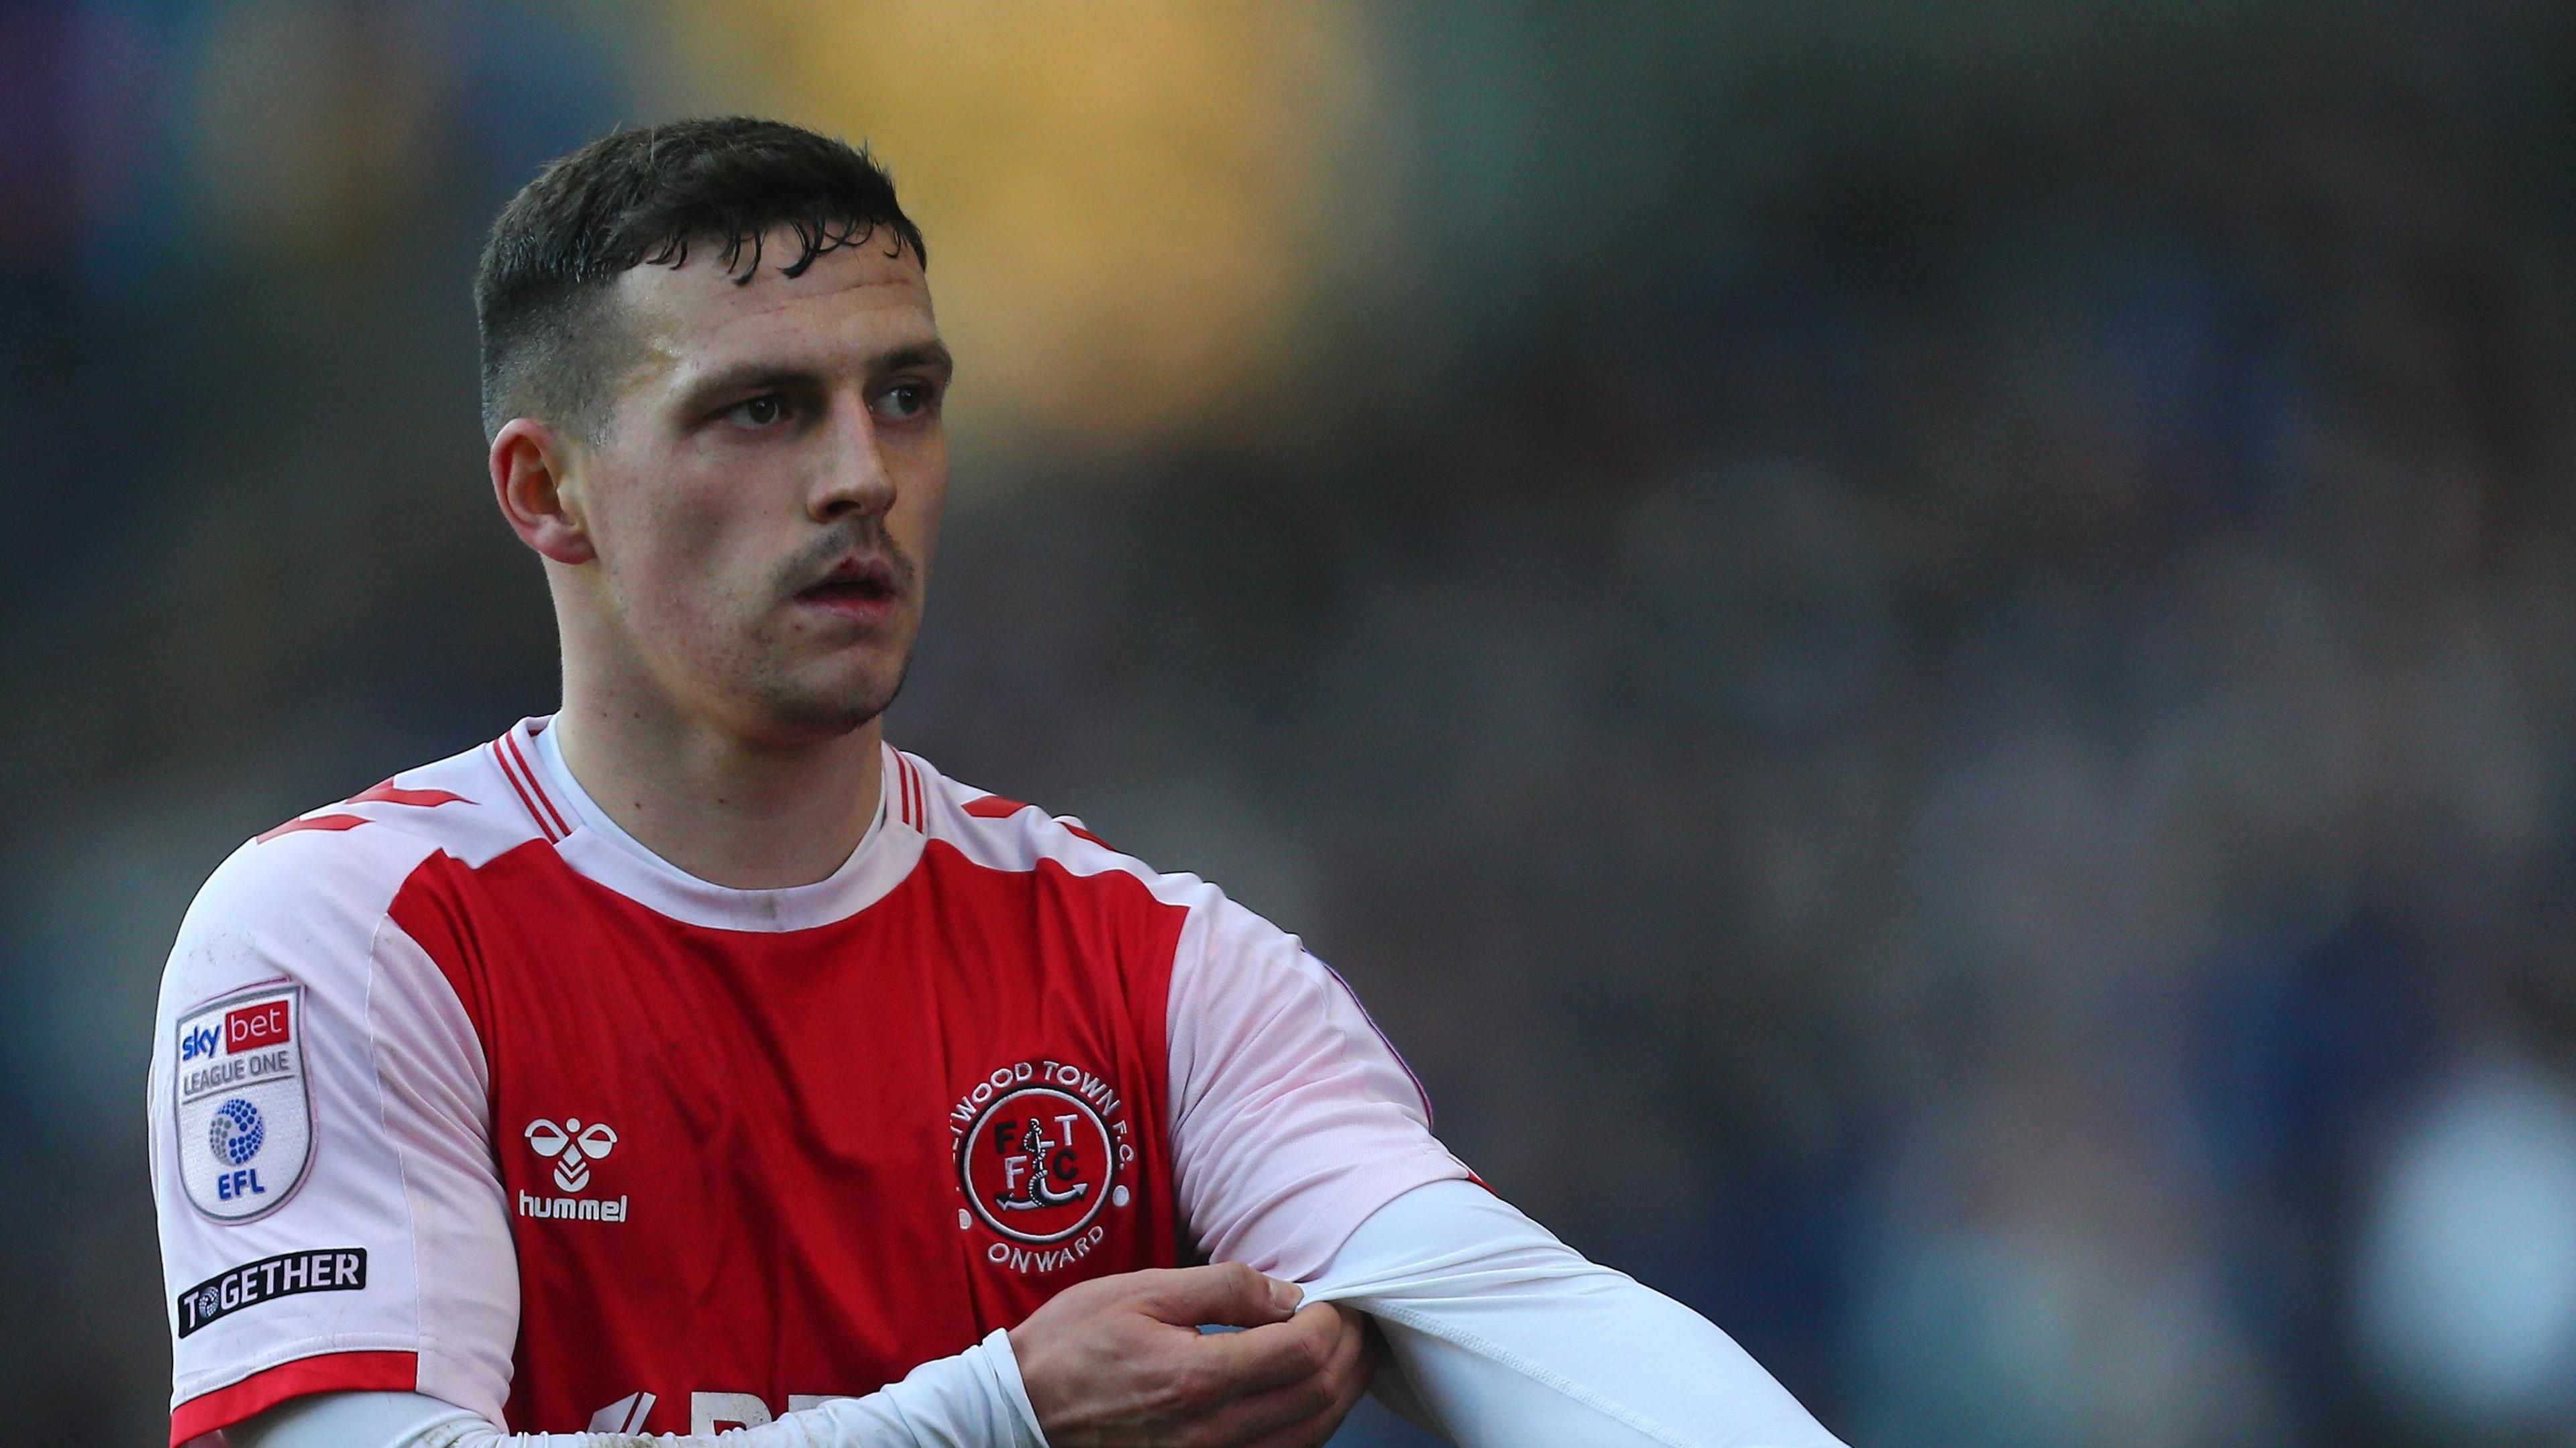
pixel 337 1372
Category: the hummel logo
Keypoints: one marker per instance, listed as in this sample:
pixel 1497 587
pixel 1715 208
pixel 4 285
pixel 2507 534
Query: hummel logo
pixel 575 1147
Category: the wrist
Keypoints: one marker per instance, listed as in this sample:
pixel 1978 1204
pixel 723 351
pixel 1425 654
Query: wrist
pixel 1002 1359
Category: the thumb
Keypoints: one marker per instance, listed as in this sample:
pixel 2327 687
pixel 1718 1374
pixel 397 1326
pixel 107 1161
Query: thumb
pixel 1227 1294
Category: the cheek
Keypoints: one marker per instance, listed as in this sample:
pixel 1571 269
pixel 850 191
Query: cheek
pixel 673 565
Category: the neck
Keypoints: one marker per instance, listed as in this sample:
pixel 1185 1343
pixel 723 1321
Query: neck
pixel 743 815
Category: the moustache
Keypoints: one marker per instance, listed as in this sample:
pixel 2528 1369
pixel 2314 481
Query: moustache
pixel 865 537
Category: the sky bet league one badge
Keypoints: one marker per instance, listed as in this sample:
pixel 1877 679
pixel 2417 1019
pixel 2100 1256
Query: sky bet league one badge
pixel 245 1121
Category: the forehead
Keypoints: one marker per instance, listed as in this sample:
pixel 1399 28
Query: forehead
pixel 852 303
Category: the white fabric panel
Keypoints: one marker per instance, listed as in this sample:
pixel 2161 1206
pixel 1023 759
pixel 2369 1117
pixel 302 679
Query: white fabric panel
pixel 972 1400
pixel 1293 1119
pixel 1508 1338
pixel 436 1102
pixel 301 909
pixel 398 1164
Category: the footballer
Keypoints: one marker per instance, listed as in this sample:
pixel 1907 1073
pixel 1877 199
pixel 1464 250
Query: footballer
pixel 692 1063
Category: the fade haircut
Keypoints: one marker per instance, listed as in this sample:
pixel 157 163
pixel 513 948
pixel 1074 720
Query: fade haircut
pixel 640 197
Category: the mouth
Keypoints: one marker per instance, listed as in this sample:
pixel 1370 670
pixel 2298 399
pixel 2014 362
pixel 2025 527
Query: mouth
pixel 861 589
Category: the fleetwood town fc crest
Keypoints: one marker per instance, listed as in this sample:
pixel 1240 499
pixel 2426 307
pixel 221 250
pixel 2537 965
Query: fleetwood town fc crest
pixel 1043 1151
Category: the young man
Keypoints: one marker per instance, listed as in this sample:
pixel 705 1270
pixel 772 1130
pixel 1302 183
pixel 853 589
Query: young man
pixel 690 1060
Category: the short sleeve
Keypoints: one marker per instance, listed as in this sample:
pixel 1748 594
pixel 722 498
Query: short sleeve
pixel 1293 1118
pixel 330 1216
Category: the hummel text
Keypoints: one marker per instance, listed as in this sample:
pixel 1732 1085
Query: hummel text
pixel 586 1209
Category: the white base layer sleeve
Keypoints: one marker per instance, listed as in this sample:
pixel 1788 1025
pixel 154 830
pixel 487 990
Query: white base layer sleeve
pixel 1501 1337
pixel 972 1400
pixel 1507 1338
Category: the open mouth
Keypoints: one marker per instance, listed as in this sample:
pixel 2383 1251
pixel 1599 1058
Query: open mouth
pixel 850 589
pixel 856 588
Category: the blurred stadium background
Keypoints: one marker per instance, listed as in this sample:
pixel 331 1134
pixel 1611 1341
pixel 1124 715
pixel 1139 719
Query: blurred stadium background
pixel 1923 655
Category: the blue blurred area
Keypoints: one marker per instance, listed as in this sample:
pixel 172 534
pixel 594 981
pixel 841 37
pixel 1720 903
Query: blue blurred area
pixel 1921 655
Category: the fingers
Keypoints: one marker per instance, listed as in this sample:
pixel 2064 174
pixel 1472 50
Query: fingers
pixel 1227 1294
pixel 1307 1374
pixel 1265 1357
pixel 1116 1360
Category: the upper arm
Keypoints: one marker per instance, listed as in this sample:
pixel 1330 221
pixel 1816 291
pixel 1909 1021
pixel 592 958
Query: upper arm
pixel 330 1216
pixel 1292 1118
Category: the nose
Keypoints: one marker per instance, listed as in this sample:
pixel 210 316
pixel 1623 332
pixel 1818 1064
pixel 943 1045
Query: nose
pixel 851 473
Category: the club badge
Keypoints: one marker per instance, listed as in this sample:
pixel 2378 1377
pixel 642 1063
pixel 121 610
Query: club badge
pixel 1042 1152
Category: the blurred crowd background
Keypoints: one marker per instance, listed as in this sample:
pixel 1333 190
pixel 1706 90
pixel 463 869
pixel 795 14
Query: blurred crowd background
pixel 1923 655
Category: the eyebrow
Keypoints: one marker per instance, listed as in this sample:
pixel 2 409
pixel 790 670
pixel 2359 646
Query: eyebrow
pixel 755 375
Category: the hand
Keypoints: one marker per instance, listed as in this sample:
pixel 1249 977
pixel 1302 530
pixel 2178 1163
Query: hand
pixel 1120 1361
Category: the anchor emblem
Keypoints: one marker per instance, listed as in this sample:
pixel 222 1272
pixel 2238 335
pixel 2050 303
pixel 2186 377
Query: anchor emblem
pixel 1045 1159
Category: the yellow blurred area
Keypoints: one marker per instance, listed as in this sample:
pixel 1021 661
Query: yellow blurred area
pixel 1129 206
pixel 313 122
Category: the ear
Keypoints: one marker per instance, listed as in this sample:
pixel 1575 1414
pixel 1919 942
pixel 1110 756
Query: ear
pixel 528 469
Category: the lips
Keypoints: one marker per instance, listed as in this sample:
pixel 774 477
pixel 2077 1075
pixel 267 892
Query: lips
pixel 853 578
pixel 856 588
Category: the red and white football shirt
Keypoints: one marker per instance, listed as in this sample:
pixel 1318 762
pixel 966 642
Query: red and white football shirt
pixel 459 1089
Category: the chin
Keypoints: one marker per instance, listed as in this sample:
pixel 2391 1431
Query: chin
pixel 807 712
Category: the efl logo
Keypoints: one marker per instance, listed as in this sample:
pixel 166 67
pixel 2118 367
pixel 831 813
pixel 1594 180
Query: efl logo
pixel 245 1118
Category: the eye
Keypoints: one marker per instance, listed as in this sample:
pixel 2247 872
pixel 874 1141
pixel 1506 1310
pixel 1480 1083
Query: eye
pixel 902 401
pixel 761 411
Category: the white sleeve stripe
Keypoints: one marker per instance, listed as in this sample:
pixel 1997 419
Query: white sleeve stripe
pixel 376 1005
pixel 466 1309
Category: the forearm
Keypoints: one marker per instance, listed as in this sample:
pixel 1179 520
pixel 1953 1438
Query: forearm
pixel 1507 1338
pixel 972 1400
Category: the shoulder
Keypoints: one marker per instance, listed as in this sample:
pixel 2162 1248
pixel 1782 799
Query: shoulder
pixel 1220 947
pixel 310 893
pixel 1010 835
pixel 472 805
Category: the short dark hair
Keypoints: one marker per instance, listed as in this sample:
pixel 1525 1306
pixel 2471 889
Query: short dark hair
pixel 640 196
